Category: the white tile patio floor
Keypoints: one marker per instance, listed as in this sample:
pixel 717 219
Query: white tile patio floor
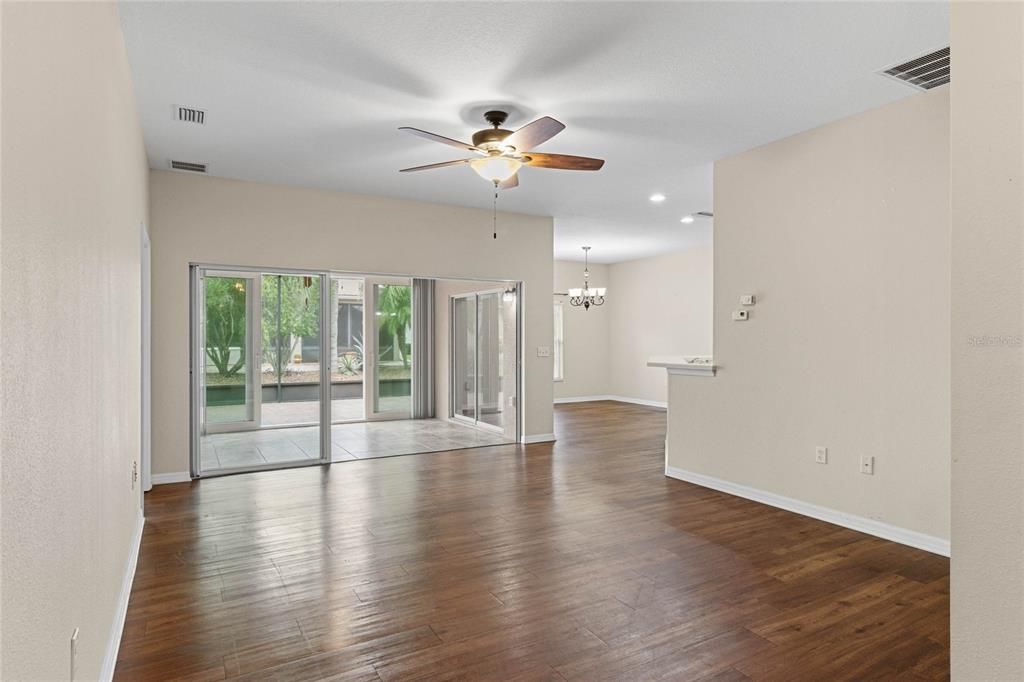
pixel 361 440
pixel 305 411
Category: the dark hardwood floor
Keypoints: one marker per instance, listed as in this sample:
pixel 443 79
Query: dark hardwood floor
pixel 573 560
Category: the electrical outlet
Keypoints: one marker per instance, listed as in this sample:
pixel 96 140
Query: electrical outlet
pixel 543 351
pixel 74 655
pixel 867 464
pixel 821 455
pixel 740 315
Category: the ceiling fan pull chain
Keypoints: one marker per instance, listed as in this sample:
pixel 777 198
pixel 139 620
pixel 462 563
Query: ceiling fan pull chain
pixel 495 209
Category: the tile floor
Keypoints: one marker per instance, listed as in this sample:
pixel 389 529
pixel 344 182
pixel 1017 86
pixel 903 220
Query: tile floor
pixel 306 411
pixel 361 440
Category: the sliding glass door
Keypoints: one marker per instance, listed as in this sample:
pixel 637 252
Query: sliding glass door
pixel 484 359
pixel 258 381
pixel 282 360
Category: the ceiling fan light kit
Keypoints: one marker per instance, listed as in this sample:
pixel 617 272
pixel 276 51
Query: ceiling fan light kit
pixel 501 153
pixel 496 169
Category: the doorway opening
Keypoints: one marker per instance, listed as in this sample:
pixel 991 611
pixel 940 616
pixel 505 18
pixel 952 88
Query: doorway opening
pixel 294 368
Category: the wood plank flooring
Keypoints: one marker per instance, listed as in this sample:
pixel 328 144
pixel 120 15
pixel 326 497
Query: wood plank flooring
pixel 576 560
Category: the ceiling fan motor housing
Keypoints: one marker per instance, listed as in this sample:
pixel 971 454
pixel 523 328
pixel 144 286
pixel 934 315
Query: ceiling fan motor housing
pixel 490 139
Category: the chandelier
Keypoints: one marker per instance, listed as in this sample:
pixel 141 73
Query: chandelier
pixel 586 296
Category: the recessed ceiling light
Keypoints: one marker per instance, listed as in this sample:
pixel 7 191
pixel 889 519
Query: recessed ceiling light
pixel 687 219
pixel 657 197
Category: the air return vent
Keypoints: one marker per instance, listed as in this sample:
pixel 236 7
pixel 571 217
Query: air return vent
pixel 925 72
pixel 188 166
pixel 191 115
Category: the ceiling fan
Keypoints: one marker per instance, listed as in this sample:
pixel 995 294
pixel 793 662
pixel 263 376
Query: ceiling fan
pixel 501 153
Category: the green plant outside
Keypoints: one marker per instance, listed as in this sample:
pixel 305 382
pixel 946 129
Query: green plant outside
pixel 394 302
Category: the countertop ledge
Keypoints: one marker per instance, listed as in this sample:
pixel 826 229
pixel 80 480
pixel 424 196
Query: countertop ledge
pixel 685 365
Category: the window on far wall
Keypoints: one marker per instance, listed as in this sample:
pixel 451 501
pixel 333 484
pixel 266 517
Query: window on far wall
pixel 559 344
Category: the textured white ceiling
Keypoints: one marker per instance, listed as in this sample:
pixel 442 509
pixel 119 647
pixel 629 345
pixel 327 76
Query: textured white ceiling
pixel 312 94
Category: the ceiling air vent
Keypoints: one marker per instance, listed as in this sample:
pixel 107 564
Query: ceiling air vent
pixel 191 115
pixel 188 166
pixel 925 72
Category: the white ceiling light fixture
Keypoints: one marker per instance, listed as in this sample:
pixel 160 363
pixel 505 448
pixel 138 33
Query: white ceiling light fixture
pixel 686 219
pixel 586 296
pixel 497 169
pixel 657 197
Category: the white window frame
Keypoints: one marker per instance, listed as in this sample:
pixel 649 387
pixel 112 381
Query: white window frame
pixel 558 354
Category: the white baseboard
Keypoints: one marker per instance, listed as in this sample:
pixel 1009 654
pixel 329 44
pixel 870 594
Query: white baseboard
pixel 117 628
pixel 581 399
pixel 174 477
pixel 539 438
pixel 640 401
pixel 904 536
pixel 616 398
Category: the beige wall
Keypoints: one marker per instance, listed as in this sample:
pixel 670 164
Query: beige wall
pixel 227 222
pixel 587 367
pixel 842 232
pixel 661 306
pixel 74 196
pixel 987 328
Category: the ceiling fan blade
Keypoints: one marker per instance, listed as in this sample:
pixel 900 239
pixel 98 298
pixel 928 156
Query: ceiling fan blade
pixel 564 162
pixel 441 138
pixel 511 183
pixel 435 165
pixel 533 134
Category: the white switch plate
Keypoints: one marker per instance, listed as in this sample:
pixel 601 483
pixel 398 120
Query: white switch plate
pixel 740 315
pixel 543 351
pixel 821 455
pixel 748 299
pixel 867 464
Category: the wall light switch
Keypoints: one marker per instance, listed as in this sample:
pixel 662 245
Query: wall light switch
pixel 821 455
pixel 740 315
pixel 543 351
pixel 867 464
pixel 748 299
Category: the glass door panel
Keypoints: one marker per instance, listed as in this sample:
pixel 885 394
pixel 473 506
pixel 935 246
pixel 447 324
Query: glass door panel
pixel 464 357
pixel 345 313
pixel 484 359
pixel 388 346
pixel 290 335
pixel 489 349
pixel 228 369
pixel 509 360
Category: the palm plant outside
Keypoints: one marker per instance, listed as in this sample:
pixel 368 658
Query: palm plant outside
pixel 394 302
